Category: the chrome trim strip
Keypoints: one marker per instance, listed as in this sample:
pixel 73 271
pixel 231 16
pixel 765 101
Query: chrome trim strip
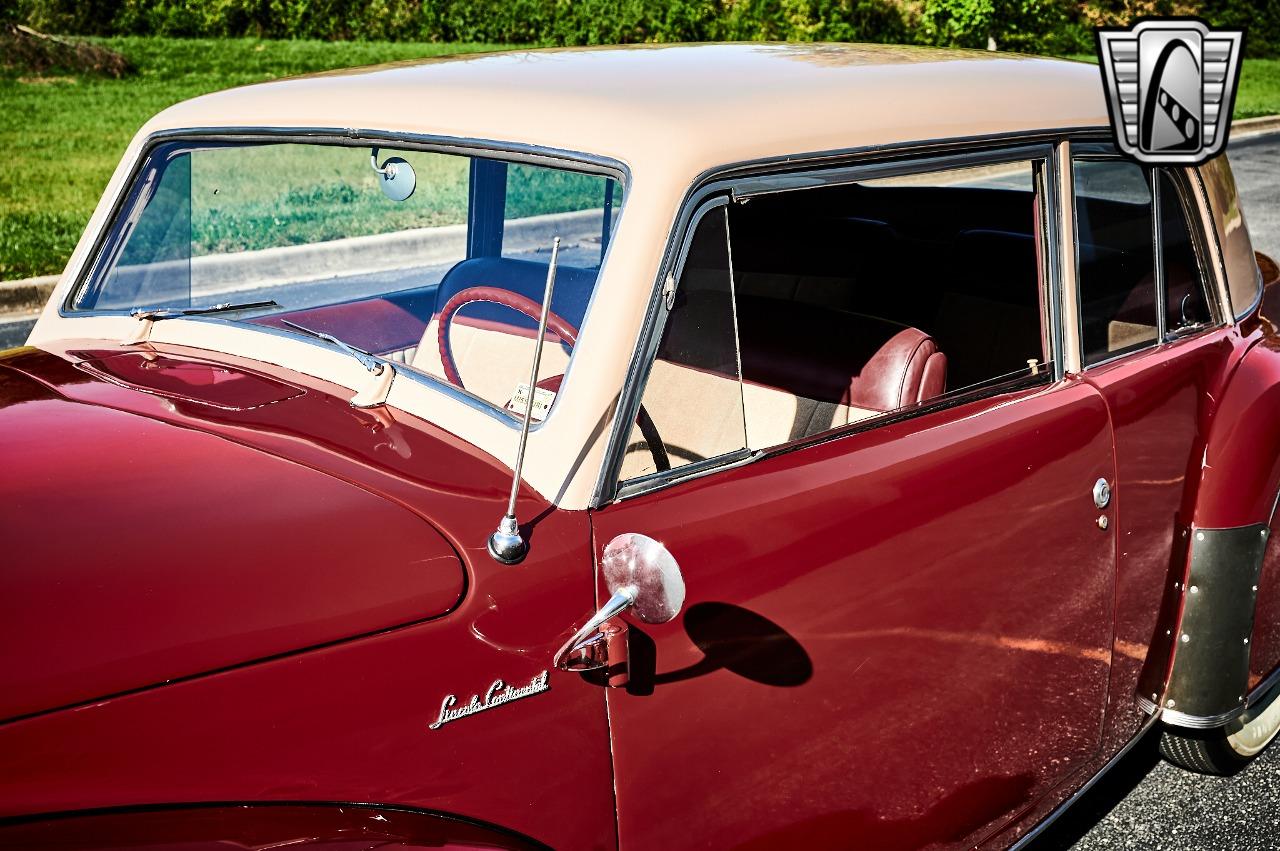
pixel 402 372
pixel 656 481
pixel 1157 240
pixel 1060 262
pixel 1256 696
pixel 1209 227
pixel 753 187
pixel 1053 816
pixel 1174 718
pixel 1272 680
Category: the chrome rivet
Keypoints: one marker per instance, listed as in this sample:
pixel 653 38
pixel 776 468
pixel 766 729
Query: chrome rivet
pixel 1168 632
pixel 1255 589
pixel 1195 589
pixel 1246 641
pixel 1185 638
pixel 1264 533
pixel 1154 696
pixel 1169 703
pixel 1103 522
pixel 1199 536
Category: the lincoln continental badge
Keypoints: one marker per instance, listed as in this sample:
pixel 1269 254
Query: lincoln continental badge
pixel 498 694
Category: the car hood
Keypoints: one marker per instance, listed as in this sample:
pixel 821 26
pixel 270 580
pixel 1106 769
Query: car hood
pixel 165 516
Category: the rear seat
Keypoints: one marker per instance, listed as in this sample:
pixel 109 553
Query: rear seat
pixel 806 369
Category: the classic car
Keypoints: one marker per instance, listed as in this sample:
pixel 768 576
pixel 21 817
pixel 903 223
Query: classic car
pixel 737 446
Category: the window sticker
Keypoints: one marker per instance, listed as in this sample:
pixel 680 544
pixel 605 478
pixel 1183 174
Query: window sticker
pixel 542 399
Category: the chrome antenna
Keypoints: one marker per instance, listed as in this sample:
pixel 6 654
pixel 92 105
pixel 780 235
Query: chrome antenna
pixel 505 544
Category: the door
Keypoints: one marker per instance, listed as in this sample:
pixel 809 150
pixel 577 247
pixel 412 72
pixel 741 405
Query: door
pixel 897 626
pixel 1153 345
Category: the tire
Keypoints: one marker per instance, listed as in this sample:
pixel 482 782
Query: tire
pixel 1225 750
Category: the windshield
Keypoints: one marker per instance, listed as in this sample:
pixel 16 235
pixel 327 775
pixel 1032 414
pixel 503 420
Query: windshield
pixel 376 247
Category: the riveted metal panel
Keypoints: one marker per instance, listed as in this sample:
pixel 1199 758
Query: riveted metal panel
pixel 1208 683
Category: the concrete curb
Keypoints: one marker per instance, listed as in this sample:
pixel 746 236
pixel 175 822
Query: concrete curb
pixel 359 255
pixel 27 294
pixel 1246 127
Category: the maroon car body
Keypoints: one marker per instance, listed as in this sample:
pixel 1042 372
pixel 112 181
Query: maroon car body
pixel 234 607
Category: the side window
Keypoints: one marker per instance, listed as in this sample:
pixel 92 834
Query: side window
pixel 843 303
pixel 691 409
pixel 1137 258
pixel 1115 260
pixel 1186 306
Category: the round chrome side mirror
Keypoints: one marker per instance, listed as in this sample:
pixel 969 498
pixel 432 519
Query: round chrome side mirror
pixel 641 575
pixel 642 569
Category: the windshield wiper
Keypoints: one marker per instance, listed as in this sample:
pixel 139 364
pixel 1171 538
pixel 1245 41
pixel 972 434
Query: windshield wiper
pixel 148 317
pixel 158 313
pixel 367 360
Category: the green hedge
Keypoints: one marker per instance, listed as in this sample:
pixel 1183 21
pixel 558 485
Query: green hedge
pixel 1044 26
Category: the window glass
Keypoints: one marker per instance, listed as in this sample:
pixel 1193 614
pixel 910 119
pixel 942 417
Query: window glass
pixel 849 302
pixel 311 228
pixel 857 300
pixel 583 206
pixel 1186 307
pixel 1115 257
pixel 692 402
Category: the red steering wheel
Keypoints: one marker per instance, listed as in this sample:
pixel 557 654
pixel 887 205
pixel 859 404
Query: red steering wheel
pixel 555 323
pixel 493 295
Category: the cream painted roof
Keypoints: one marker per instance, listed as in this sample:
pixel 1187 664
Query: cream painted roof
pixel 670 113
pixel 684 108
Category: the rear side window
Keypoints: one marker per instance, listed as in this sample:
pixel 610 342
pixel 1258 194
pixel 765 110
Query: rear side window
pixel 1115 259
pixel 1138 260
pixel 1186 306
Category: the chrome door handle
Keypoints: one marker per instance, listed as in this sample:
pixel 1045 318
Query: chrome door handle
pixel 640 574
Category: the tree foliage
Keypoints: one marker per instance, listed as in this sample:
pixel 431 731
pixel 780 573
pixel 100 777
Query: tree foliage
pixel 1042 26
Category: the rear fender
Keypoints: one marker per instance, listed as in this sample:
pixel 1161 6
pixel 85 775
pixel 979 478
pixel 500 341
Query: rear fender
pixel 1216 607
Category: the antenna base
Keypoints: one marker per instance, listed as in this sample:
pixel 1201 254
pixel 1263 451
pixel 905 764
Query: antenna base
pixel 505 544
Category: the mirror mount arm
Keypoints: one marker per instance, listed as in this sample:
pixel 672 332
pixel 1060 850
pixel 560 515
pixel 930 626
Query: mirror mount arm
pixel 589 633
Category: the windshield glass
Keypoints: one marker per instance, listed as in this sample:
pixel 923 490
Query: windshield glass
pixel 377 247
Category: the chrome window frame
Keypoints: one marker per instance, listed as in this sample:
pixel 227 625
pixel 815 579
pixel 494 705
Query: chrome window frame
pixel 1194 207
pixel 350 137
pixel 741 181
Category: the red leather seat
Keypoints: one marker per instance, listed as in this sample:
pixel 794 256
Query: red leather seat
pixel 811 351
pixel 838 356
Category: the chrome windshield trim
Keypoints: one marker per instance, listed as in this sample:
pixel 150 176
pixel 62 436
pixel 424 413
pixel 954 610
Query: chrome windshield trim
pixel 359 138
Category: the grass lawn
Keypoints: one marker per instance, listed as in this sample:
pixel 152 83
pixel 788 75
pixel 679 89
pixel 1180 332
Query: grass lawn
pixel 61 137
pixel 1259 92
